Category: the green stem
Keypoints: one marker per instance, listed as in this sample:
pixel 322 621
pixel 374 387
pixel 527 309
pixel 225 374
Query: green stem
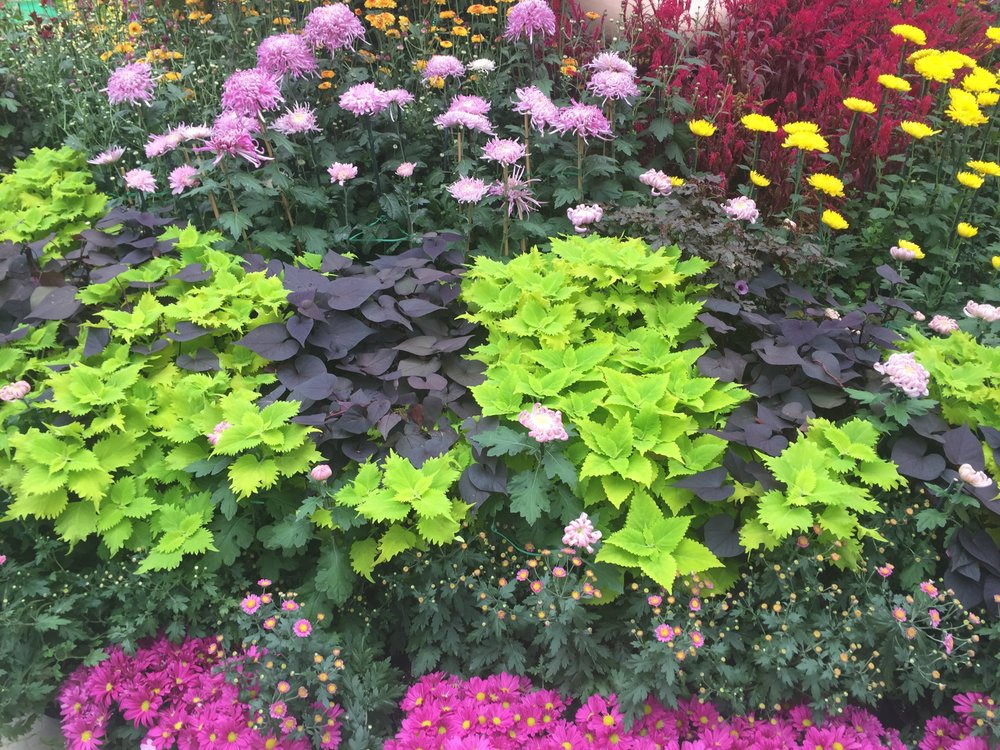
pixel 579 166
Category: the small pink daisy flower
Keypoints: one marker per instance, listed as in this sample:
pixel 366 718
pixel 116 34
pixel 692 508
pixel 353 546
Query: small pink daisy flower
pixel 899 614
pixel 929 588
pixel 536 586
pixel 302 628
pixel 264 582
pixel 270 623
pixel 697 639
pixel 886 570
pixel 654 600
pixel 664 633
pixel 289 605
pixel 250 603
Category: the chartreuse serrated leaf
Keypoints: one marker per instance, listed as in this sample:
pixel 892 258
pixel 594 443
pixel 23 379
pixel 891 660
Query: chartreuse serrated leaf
pixel 363 555
pixel 754 534
pixel 364 484
pixel 396 540
pixel 438 529
pixel 77 522
pixel 780 517
pixel 694 557
pixel 248 474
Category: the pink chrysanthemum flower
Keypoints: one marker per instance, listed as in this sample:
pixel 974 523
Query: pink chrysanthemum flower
pixel 181 178
pixel 285 54
pixel 250 603
pixel 442 66
pixel 468 190
pixel 474 105
pixel 886 570
pixel 503 150
pixel 978 479
pixel 899 614
pixel 697 639
pixel 581 534
pixel 654 600
pixel 741 208
pixel 613 84
pixel 341 173
pixel 405 169
pixel 333 27
pixel 664 633
pixel 299 119
pixel 232 135
pixel 610 62
pixel 943 324
pixel 278 710
pixel 583 215
pixel 582 120
pixel 468 120
pixel 302 628
pixel 904 372
pixel 109 156
pixel 289 605
pixel 532 101
pixel 935 617
pixel 250 92
pixel 15 391
pixel 270 623
pixel 517 192
pixel 399 97
pixel 528 18
pixel 929 588
pixel 659 183
pixel 131 84
pixel 948 642
pixel 981 311
pixel 543 425
pixel 902 253
pixel 695 604
pixel 158 145
pixel 364 99
pixel 141 180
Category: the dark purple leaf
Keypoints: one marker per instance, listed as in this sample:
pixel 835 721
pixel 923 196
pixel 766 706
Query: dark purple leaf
pixel 962 447
pixel 299 328
pixel 349 293
pixel 376 362
pixel 432 382
pixel 889 274
pixel 271 341
pixel 145 350
pixel 725 306
pixel 911 458
pixel 192 272
pixel 334 262
pixel 422 346
pixel 339 334
pixel 59 303
pixel 102 275
pixel 417 308
pixel 708 485
pixel 722 537
pixel 187 331
pixel 727 367
pixel 97 340
pixel 204 360
pixel 715 324
pixel 775 354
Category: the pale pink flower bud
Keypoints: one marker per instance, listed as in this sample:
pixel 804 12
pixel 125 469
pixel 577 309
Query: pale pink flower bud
pixel 831 314
pixel 321 473
pixel 972 477
pixel 583 215
pixel 405 169
pixel 919 316
pixel 15 391
pixel 902 253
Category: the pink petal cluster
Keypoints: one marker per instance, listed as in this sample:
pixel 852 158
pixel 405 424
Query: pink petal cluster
pixel 141 180
pixel 467 112
pixel 405 169
pixel 468 189
pixel 321 472
pixel 15 391
pixel 581 534
pixel 607 62
pixel 399 97
pixel 131 84
pixel 582 120
pixel 181 178
pixel 543 424
pixel 299 119
pixel 982 311
pixel 286 54
pixel 232 135
pixel 943 324
pixel 658 182
pixel 516 191
pixel 532 101
pixel 332 27
pixel 108 156
pixel 217 431
pixel 905 373
pixel 364 99
pixel 972 477
pixel 505 151
pixel 582 216
pixel 613 84
pixel 341 173
pixel 528 18
pixel 442 66
pixel 902 253
pixel 741 208
pixel 250 92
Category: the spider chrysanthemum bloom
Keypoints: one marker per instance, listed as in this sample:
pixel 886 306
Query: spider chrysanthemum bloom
pixel 528 18
pixel 250 92
pixel 582 120
pixel 583 216
pixel 364 99
pixel 468 189
pixel 516 191
pixel 759 123
pixel 533 102
pixel 613 84
pixel 108 156
pixel 232 135
pixel 741 208
pixel 141 180
pixel 806 142
pixel 910 33
pixel 894 83
pixel 506 151
pixel 181 178
pixel 904 372
pixel 131 84
pixel 917 130
pixel 332 27
pixel 341 173
pixel 827 183
pixel 610 61
pixel 299 119
pixel 286 54
pixel 474 105
pixel 442 66
pixel 863 106
pixel 834 220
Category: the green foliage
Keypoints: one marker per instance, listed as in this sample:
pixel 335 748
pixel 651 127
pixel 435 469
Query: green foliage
pixel 121 448
pixel 826 476
pixel 410 507
pixel 49 192
pixel 963 376
pixel 601 329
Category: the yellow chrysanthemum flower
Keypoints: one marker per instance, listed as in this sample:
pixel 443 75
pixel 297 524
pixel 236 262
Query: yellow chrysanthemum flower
pixel 446 14
pixel 800 127
pixel 917 54
pixel 445 43
pixel 436 82
pixel 966 230
pixel 985 167
pixel 460 31
pixel 702 128
pixel 172 75
pixel 758 179
pixel 993 34
pixel 964 109
pixel 958 59
pixel 917 129
pixel 325 86
pixel 935 68
pixel 970 180
pixel 860 105
pixel 477 38
pixel 996 262
pixel 987 98
pixel 834 220
pixel 592 15
pixel 910 33
pixel 894 83
pixel 759 123
pixel 676 181
pixel 979 81
pixel 807 142
pixel 827 183
pixel 134 29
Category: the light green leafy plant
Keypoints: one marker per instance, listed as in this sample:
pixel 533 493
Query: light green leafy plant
pixel 602 330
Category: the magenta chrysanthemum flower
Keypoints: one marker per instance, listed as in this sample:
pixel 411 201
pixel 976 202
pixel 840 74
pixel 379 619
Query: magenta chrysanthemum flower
pixel 904 372
pixel 131 84
pixel 885 570
pixel 364 99
pixel 543 425
pixel 302 628
pixel 141 180
pixel 583 120
pixel 250 92
pixel 468 120
pixel 741 208
pixel 580 532
pixel 109 156
pixel 181 178
pixel 610 62
pixel 341 173
pixel 943 324
pixel 332 27
pixel 232 135
pixel 659 183
pixel 517 192
pixel 405 169
pixel 528 18
pixel 399 97
pixel 664 633
pixel 285 54
pixel 503 150
pixel 582 216
pixel 929 588
pixel 532 101
pixel 299 119
pixel 15 391
pixel 613 84
pixel 468 190
pixel 250 603
pixel 442 66
pixel 474 105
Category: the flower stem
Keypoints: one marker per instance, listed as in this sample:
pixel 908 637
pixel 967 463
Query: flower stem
pixel 579 166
